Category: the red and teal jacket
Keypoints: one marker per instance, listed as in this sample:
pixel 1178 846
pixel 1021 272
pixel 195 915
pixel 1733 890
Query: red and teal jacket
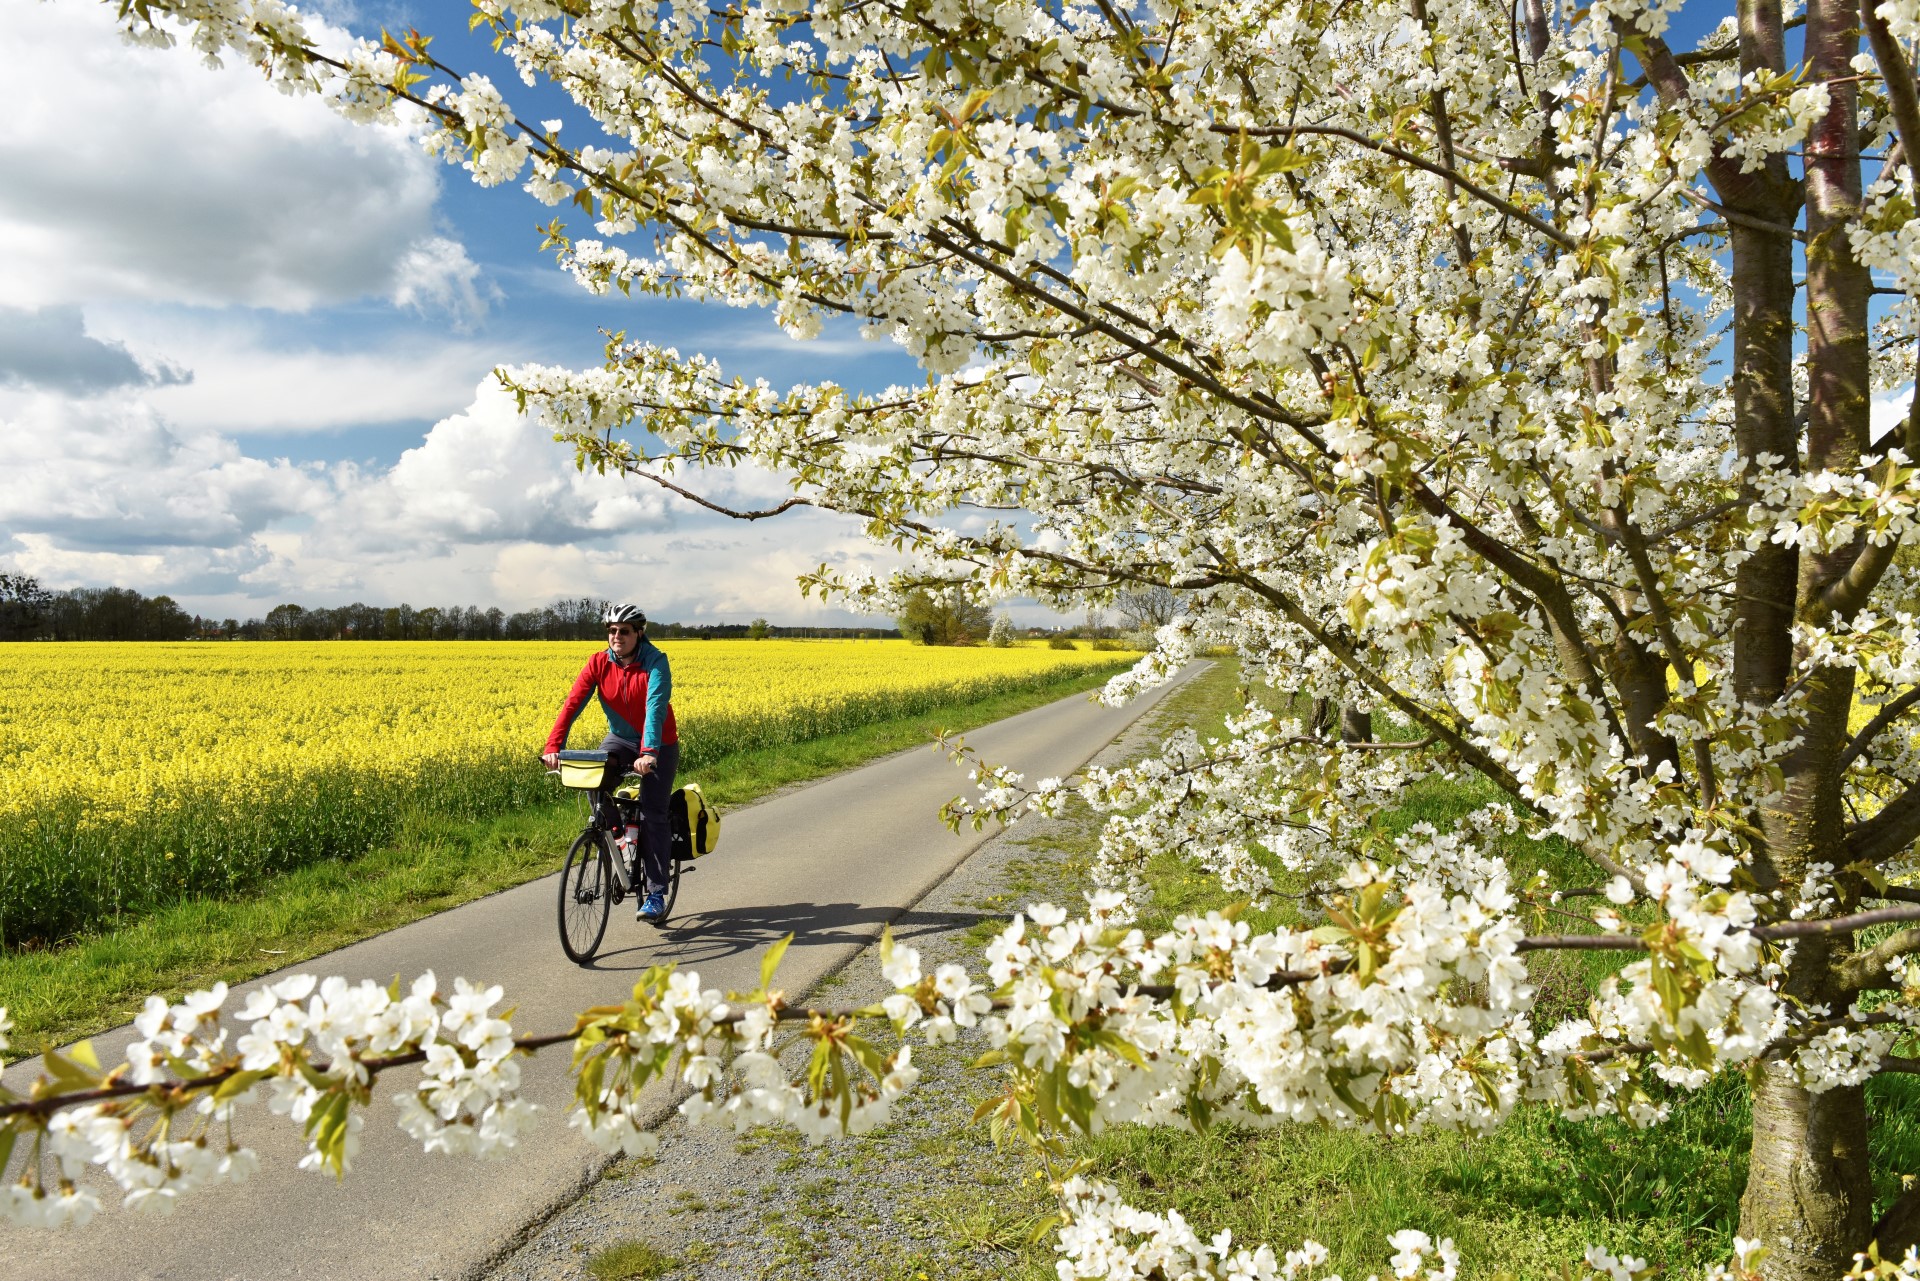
pixel 634 693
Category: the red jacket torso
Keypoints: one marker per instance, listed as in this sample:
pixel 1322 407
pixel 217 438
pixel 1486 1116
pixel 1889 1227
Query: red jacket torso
pixel 636 697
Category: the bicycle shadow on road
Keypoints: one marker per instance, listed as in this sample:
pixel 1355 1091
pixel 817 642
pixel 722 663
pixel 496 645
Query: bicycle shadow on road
pixel 710 936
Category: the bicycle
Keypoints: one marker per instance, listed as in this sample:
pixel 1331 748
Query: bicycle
pixel 592 880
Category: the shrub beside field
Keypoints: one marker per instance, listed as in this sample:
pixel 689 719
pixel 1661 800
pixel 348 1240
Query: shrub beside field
pixel 135 777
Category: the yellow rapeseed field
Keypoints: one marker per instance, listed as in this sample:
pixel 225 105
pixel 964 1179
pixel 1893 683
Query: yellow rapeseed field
pixel 131 774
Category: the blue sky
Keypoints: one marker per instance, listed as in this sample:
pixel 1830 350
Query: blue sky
pixel 245 351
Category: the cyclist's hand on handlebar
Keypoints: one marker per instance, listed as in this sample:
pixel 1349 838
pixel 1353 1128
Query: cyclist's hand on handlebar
pixel 550 759
pixel 644 765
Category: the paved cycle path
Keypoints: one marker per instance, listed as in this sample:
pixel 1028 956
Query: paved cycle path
pixel 831 863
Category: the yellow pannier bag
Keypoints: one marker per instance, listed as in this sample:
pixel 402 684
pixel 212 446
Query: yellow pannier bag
pixel 696 824
pixel 584 770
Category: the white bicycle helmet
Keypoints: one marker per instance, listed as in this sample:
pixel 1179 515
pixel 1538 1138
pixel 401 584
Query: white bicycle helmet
pixel 624 613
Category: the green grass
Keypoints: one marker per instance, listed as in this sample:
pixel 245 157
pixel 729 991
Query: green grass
pixel 631 1261
pixel 1523 1200
pixel 57 995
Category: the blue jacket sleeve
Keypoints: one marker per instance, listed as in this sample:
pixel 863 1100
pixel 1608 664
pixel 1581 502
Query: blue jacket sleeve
pixel 659 693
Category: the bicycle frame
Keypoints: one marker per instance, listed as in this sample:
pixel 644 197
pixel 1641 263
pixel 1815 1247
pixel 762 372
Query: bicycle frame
pixel 587 894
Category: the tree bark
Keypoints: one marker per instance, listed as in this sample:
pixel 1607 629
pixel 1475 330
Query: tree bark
pixel 1320 715
pixel 1808 1198
pixel 1356 724
pixel 1899 1227
pixel 1763 332
pixel 1763 398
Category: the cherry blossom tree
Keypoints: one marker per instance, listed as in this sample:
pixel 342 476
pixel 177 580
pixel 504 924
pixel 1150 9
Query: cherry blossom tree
pixel 1504 369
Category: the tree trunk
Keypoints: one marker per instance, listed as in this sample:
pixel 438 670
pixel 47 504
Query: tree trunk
pixel 1356 724
pixel 1809 1199
pixel 1320 715
pixel 1899 1227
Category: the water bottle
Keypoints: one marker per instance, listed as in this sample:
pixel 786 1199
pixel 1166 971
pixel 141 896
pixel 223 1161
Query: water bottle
pixel 627 845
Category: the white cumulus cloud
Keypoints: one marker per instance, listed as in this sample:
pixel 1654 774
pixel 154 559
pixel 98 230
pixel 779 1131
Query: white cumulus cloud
pixel 488 509
pixel 110 474
pixel 140 174
pixel 245 382
pixel 491 474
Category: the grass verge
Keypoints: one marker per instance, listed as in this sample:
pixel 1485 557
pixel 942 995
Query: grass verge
pixel 60 994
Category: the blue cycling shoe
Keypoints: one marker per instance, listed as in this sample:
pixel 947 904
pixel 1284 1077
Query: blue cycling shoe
pixel 652 908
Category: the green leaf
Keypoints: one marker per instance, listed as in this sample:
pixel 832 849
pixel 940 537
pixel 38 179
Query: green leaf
pixel 1113 1043
pixel 76 1069
pixel 1277 160
pixel 1488 1094
pixel 870 1058
pixel 327 1131
pixel 1667 985
pixel 1870 874
pixel 234 1086
pixel 817 1069
pixel 771 961
pixel 587 1085
pixel 1344 1092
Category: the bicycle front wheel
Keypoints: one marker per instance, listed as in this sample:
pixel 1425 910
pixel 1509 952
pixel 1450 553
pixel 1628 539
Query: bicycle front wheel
pixel 586 896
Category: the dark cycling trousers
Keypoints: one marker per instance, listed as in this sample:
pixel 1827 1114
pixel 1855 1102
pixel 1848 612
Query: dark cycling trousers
pixel 656 790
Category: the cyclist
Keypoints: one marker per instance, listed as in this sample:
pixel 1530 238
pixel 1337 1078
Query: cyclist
pixel 635 688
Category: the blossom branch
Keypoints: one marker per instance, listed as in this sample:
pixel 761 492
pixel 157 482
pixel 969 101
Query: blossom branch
pixel 1868 969
pixel 710 505
pixel 1875 727
pixel 1889 833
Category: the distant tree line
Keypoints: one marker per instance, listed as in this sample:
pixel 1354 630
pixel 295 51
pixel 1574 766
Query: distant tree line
pixel 928 619
pixel 29 612
pixel 90 613
pixel 760 628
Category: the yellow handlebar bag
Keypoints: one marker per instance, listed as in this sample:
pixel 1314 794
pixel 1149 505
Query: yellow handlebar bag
pixel 583 770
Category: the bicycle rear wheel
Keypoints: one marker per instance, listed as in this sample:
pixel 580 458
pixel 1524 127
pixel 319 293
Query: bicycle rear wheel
pixel 670 893
pixel 586 896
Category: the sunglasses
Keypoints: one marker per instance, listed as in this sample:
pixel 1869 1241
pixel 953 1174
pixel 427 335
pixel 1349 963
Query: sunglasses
pixel 619 631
